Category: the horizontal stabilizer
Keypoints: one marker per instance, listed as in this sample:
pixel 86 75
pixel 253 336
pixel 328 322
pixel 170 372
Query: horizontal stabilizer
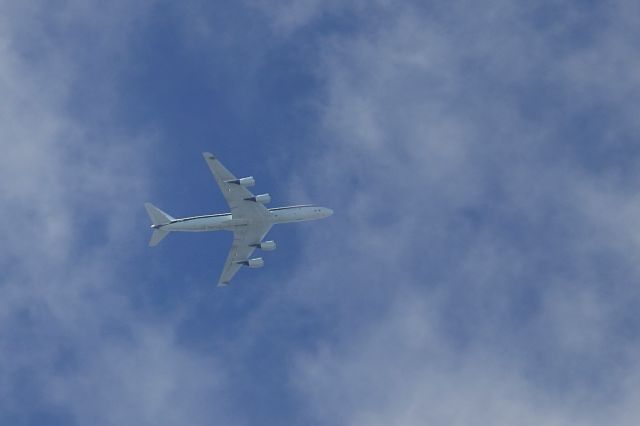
pixel 157 236
pixel 157 216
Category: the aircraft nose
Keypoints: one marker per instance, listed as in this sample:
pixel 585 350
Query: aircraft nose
pixel 328 212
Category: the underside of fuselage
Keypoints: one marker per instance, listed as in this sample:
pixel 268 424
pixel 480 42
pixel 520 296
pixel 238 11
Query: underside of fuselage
pixel 226 222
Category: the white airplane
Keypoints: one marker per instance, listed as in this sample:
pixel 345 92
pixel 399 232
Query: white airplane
pixel 249 219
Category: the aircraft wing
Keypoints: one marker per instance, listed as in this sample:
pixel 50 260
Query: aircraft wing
pixel 243 239
pixel 234 194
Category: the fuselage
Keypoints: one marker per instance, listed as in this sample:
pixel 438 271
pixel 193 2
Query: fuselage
pixel 226 222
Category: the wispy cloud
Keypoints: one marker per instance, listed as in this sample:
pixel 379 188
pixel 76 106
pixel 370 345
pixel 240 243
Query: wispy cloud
pixel 483 269
pixel 72 179
pixel 480 268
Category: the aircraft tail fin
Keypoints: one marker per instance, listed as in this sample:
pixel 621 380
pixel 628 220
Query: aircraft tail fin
pixel 157 236
pixel 157 216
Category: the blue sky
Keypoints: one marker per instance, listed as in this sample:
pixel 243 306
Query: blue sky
pixel 481 265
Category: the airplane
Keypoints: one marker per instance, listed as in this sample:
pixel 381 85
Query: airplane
pixel 249 219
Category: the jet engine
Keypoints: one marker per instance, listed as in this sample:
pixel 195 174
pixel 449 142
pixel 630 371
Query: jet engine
pixel 262 198
pixel 256 262
pixel 266 245
pixel 245 181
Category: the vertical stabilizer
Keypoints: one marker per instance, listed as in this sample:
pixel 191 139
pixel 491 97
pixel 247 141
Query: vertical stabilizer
pixel 159 218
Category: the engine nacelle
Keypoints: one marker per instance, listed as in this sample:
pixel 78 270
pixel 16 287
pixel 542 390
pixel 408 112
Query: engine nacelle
pixel 262 198
pixel 245 181
pixel 266 245
pixel 256 262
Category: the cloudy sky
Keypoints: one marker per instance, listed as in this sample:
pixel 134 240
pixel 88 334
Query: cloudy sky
pixel 481 267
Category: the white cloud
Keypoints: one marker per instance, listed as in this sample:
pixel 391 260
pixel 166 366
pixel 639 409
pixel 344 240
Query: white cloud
pixel 477 270
pixel 481 269
pixel 71 187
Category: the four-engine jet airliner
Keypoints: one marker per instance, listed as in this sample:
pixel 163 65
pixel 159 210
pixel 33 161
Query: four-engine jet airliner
pixel 249 219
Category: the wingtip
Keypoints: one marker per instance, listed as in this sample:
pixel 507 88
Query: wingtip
pixel 223 284
pixel 208 156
